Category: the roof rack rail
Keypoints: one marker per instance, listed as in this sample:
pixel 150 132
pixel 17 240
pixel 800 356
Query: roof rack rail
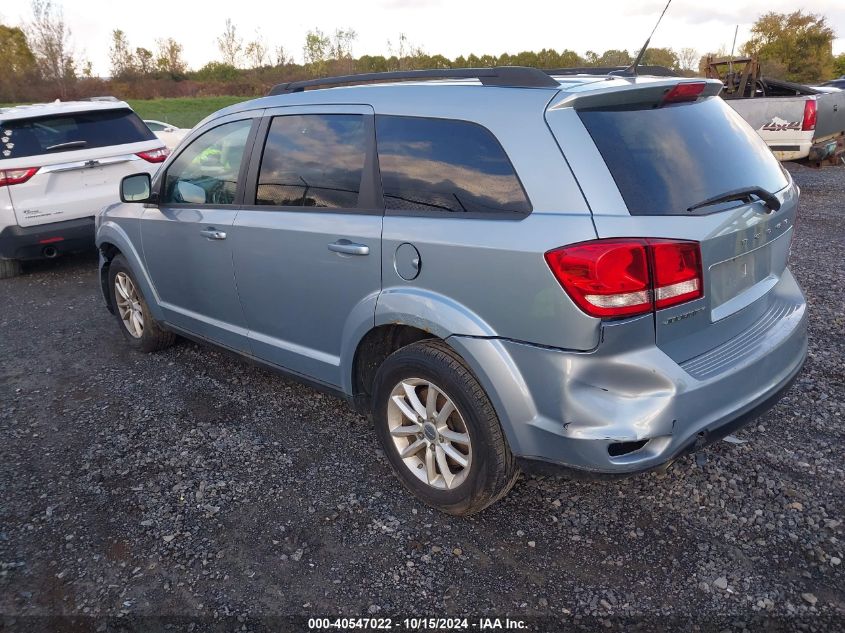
pixel 657 71
pixel 100 98
pixel 510 76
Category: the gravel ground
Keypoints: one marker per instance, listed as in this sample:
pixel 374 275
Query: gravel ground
pixel 191 484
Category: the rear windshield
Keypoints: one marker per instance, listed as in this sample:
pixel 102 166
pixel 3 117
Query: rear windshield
pixel 666 160
pixel 72 131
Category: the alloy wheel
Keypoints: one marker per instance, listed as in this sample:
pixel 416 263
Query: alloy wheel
pixel 429 433
pixel 129 304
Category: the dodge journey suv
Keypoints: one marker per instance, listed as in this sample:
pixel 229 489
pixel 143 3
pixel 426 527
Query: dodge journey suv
pixel 503 268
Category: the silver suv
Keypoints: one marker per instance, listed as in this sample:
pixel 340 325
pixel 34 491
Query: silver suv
pixel 503 268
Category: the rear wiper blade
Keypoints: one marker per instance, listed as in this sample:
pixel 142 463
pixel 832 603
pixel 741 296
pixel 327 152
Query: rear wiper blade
pixel 769 198
pixel 68 145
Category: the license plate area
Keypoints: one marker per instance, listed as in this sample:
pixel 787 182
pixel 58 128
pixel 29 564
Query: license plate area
pixel 741 280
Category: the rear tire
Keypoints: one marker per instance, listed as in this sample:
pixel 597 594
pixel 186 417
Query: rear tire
pixel 9 268
pixel 456 460
pixel 138 326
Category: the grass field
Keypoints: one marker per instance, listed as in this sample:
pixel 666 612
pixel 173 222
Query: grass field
pixel 181 112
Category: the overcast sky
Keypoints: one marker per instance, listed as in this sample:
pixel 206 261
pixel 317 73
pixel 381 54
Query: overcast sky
pixel 449 27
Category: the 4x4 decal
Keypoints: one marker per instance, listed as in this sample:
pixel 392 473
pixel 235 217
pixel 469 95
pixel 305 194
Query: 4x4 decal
pixel 779 125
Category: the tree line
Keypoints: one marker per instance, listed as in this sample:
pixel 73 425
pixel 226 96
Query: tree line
pixel 41 63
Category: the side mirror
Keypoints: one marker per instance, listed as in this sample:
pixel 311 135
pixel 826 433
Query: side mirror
pixel 135 188
pixel 190 193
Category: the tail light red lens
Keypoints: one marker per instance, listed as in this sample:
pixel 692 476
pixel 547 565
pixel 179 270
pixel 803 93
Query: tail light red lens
pixel 624 277
pixel 606 278
pixel 16 176
pixel 683 92
pixel 677 272
pixel 156 155
pixel 810 109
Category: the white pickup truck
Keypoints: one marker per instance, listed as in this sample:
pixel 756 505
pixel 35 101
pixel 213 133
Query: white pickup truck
pixel 796 122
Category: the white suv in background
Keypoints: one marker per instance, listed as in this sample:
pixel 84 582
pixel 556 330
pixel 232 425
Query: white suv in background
pixel 60 164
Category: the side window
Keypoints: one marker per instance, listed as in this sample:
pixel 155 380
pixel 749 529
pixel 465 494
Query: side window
pixel 207 171
pixel 313 160
pixel 445 165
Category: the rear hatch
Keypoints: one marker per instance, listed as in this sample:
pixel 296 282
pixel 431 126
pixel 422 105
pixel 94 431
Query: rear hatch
pixel 69 165
pixel 658 164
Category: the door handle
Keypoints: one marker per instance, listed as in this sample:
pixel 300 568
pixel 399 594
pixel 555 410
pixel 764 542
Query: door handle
pixel 213 234
pixel 349 248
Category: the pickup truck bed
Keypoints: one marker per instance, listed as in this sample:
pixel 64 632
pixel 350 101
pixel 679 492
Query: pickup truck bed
pixel 784 122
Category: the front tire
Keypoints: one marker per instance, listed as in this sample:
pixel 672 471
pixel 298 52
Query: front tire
pixel 9 268
pixel 439 430
pixel 137 324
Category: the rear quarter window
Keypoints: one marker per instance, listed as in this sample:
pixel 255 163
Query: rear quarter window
pixel 445 166
pixel 666 160
pixel 72 131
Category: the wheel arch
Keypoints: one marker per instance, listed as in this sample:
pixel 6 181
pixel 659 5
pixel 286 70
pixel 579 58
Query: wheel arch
pixel 372 350
pixel 112 240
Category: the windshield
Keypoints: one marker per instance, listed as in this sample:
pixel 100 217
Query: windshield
pixel 72 131
pixel 669 159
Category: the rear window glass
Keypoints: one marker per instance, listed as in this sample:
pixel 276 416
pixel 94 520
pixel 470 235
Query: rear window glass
pixel 313 160
pixel 72 131
pixel 666 160
pixel 443 165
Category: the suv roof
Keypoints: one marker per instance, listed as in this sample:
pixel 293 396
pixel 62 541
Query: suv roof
pixel 412 91
pixel 59 107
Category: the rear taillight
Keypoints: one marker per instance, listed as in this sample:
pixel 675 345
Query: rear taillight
pixel 624 277
pixel 683 92
pixel 16 176
pixel 155 156
pixel 810 109
pixel 676 269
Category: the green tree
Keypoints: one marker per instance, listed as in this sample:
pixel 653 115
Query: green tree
pixel 661 57
pixel 316 52
pixel 230 44
pixel 839 65
pixel 217 71
pixel 169 58
pixel 18 62
pixel 591 58
pixel 615 57
pixel 120 56
pixel 371 64
pixel 570 59
pixel 797 45
pixel 256 51
pixel 283 57
pixel 145 61
pixel 688 59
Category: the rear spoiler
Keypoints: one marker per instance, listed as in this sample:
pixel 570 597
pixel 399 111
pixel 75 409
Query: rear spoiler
pixel 623 92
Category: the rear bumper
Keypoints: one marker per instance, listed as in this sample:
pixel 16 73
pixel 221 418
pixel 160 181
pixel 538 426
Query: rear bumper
pixel 583 411
pixel 791 149
pixel 30 242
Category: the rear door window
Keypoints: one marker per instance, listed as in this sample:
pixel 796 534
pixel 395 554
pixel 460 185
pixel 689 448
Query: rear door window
pixel 445 166
pixel 666 160
pixel 72 131
pixel 313 160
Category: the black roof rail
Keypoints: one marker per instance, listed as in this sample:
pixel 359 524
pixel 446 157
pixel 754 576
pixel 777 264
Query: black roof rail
pixel 510 76
pixel 657 71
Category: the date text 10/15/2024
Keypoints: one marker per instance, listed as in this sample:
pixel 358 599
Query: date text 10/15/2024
pixel 417 624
